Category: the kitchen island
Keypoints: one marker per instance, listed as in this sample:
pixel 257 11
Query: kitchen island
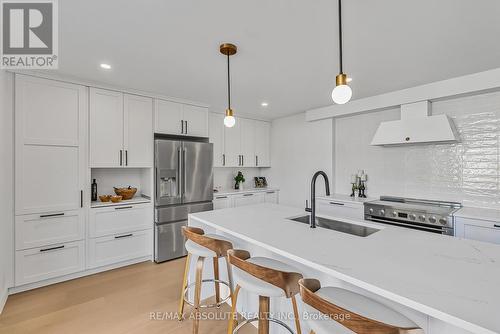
pixel 445 284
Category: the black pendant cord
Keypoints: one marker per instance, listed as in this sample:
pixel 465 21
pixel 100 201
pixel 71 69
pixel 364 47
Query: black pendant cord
pixel 228 84
pixel 340 36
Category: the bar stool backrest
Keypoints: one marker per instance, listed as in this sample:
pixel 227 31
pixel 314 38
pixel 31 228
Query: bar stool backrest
pixel 354 322
pixel 197 235
pixel 287 281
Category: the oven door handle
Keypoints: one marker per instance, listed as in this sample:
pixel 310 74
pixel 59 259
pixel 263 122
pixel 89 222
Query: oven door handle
pixel 439 230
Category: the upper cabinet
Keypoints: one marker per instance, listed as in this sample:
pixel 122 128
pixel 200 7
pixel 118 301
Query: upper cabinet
pixel 121 129
pixel 174 118
pixel 246 144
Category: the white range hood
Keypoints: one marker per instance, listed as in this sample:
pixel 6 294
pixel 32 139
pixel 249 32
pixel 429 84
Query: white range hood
pixel 416 126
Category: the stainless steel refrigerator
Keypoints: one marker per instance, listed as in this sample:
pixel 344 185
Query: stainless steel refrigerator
pixel 183 185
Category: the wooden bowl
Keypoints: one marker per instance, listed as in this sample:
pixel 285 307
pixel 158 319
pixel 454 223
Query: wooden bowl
pixel 105 198
pixel 116 199
pixel 126 193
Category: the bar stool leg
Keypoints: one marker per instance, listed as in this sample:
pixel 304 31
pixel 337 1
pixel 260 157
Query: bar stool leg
pixel 197 294
pixel 296 315
pixel 232 316
pixel 263 315
pixel 184 285
pixel 216 277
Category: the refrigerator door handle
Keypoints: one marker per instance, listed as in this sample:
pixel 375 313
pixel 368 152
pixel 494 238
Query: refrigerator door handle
pixel 179 173
pixel 183 171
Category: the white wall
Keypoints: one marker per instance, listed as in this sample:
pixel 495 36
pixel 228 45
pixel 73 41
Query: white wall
pixel 468 171
pixel 298 150
pixel 6 184
pixel 224 177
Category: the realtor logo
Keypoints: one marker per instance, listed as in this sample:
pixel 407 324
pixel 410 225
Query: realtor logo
pixel 29 34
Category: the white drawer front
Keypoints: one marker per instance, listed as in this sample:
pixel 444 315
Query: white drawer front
pixel 120 247
pixel 47 229
pixel 480 233
pixel 248 199
pixel 37 264
pixel 271 197
pixel 340 209
pixel 120 219
pixel 222 202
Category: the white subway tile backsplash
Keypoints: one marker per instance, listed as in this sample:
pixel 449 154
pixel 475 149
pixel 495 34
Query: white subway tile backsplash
pixel 468 171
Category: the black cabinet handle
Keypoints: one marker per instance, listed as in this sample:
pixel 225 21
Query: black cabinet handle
pixel 247 194
pixel 52 215
pixel 123 207
pixel 126 157
pixel 121 157
pixel 186 127
pixel 182 126
pixel 337 203
pixel 223 159
pixel 52 248
pixel 124 236
pixel 81 198
pixel 220 197
pixel 256 160
pixel 496 225
pixel 272 192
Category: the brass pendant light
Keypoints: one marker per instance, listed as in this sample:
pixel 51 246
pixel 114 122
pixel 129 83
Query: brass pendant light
pixel 228 50
pixel 342 93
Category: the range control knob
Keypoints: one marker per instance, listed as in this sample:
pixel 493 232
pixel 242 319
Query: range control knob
pixel 371 210
pixel 382 212
pixel 413 216
pixel 443 221
pixel 432 220
pixel 394 213
pixel 421 218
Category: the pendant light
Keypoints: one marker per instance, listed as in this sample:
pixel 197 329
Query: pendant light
pixel 342 93
pixel 228 50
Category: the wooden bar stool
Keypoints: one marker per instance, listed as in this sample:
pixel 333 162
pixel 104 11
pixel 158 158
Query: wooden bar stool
pixel 349 312
pixel 266 278
pixel 204 246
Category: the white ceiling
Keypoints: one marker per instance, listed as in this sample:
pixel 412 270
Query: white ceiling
pixel 287 49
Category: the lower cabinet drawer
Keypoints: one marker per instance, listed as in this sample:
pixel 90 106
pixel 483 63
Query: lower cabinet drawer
pixel 37 264
pixel 340 209
pixel 47 229
pixel 119 219
pixel 120 247
pixel 481 233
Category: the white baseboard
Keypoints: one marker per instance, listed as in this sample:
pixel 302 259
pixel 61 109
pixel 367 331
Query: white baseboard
pixel 55 280
pixel 4 294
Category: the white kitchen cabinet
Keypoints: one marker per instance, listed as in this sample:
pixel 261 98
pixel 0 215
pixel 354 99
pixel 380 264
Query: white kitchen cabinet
pixel 248 143
pixel 119 247
pixel 138 133
pixel 196 121
pixel 222 202
pixel 475 229
pixel 51 123
pixel 232 145
pixel 121 129
pixel 248 199
pixel 106 128
pixel 180 119
pixel 262 144
pixel 216 137
pixel 340 209
pixel 47 229
pixel 120 219
pixel 37 264
pixel 271 197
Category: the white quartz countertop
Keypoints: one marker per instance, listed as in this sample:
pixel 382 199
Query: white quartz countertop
pixel 225 192
pixel 346 198
pixel 478 213
pixel 454 280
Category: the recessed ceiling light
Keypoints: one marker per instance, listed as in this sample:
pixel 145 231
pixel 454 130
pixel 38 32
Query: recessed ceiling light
pixel 348 80
pixel 264 104
pixel 106 66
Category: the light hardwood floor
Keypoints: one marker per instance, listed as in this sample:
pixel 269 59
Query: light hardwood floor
pixel 117 301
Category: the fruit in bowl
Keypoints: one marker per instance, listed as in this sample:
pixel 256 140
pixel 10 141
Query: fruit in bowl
pixel 104 198
pixel 126 193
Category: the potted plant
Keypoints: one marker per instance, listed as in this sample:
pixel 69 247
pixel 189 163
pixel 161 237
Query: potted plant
pixel 239 179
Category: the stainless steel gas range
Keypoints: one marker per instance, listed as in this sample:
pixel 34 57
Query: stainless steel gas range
pixel 419 214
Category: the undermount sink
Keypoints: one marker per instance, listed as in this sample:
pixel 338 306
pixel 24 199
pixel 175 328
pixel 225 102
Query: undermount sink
pixel 354 229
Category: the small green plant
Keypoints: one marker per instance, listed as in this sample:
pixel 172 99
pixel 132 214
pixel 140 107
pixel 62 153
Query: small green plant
pixel 239 179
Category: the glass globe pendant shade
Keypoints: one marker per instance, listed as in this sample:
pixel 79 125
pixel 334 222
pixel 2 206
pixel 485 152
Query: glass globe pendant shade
pixel 342 93
pixel 229 120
